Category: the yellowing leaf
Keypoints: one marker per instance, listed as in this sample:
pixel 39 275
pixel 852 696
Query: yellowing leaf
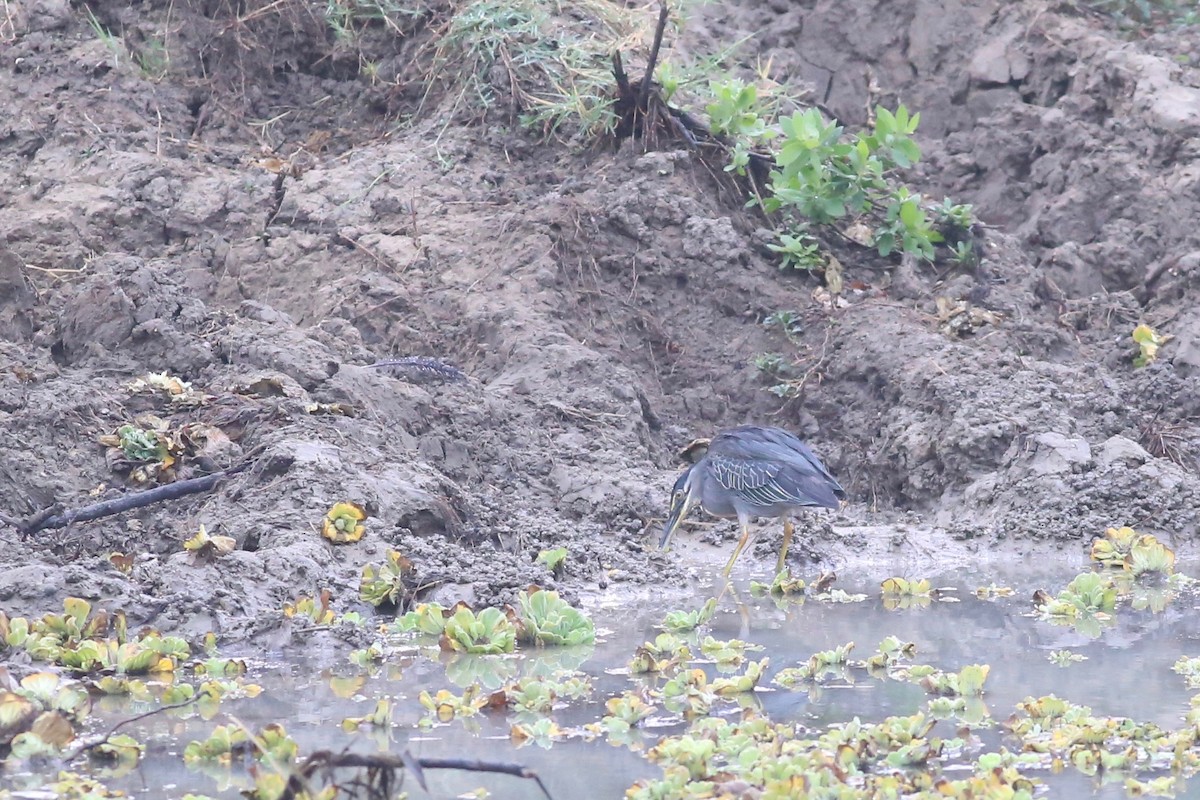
pixel 347 687
pixel 1148 341
pixel 205 548
pixel 833 275
pixel 53 729
pixel 343 523
pixel 122 562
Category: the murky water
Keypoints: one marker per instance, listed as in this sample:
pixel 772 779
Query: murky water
pixel 1127 672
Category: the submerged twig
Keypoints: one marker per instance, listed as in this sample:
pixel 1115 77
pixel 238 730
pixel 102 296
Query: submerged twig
pixel 89 742
pixel 386 762
pixel 106 508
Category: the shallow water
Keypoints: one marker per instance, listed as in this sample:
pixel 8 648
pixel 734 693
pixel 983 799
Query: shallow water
pixel 1127 672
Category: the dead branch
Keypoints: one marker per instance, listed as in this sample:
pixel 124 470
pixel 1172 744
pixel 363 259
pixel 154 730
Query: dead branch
pixel 386 762
pixel 128 502
pixel 642 112
pixel 87 743
pixel 648 78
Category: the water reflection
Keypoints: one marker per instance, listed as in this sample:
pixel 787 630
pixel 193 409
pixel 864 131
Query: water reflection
pixel 1127 672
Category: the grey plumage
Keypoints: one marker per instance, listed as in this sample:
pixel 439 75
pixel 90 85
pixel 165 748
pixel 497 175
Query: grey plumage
pixel 752 471
pixel 769 466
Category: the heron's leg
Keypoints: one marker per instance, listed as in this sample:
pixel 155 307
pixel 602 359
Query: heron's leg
pixel 741 545
pixel 788 530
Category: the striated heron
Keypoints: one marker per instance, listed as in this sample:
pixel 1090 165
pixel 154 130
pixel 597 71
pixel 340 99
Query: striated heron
pixel 751 471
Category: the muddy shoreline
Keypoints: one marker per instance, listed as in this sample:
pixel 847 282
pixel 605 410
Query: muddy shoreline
pixel 606 306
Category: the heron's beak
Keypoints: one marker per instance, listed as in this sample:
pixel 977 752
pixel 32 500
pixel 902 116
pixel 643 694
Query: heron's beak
pixel 679 509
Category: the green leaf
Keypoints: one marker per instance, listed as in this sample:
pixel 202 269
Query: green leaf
pixel 910 214
pixel 885 122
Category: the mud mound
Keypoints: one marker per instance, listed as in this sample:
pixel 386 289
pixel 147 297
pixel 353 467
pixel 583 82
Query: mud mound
pixel 607 307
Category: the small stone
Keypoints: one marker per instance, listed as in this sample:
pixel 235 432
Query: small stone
pixel 1126 452
pixel 1058 453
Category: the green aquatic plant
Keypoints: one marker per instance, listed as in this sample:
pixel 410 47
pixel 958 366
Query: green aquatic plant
pixel 126 659
pixel 630 708
pixel 535 697
pixel 76 640
pixel 212 693
pixel 67 785
pixel 783 585
pixel 684 621
pixel 967 682
pixel 1086 604
pixel 427 618
pixel 1057 731
pixel 666 653
pixel 820 664
pixel 379 717
pixel 553 559
pixel 218 747
pixel 741 683
pixel 625 713
pixel 1087 593
pixel 220 667
pixel 316 611
pixel 140 444
pixel 993 592
pixel 688 693
pixel 838 596
pixel 38 716
pixel 1189 668
pixel 445 705
pixel 1114 547
pixel 488 632
pixel 1150 557
pixel 547 619
pixel 543 732
pixel 45 639
pixel 538 694
pixel 891 651
pixel 753 757
pixel 119 754
pixel 369 656
pixel 1137 553
pixel 902 593
pixel 729 653
pixel 385 584
pixel 345 523
pixel 1064 658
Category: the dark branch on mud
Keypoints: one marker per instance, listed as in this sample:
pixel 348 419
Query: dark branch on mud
pixel 421 366
pixel 647 79
pixel 644 113
pixel 382 767
pixel 56 517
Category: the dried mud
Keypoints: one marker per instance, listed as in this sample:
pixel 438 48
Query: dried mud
pixel 607 307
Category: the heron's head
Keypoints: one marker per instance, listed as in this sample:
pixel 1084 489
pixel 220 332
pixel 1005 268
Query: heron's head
pixel 684 495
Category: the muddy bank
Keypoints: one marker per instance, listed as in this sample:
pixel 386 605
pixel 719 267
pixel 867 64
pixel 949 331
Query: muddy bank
pixel 606 306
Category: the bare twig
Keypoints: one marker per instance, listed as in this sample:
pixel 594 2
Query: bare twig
pixel 128 502
pixel 341 238
pixel 648 78
pixel 90 742
pixel 387 761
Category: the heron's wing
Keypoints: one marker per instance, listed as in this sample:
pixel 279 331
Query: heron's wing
pixel 800 471
pixel 768 483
